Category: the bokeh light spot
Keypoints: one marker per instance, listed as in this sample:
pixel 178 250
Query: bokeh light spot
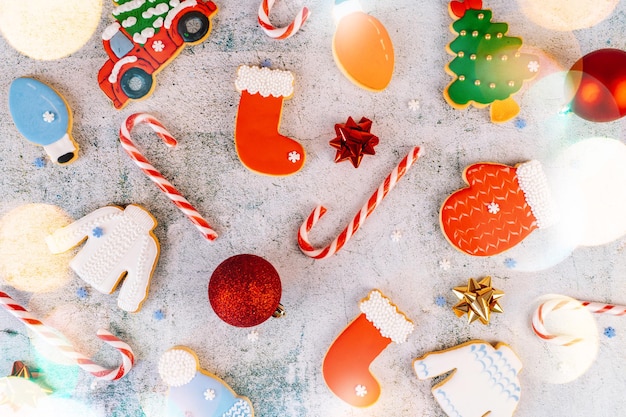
pixel 25 260
pixel 49 29
pixel 567 15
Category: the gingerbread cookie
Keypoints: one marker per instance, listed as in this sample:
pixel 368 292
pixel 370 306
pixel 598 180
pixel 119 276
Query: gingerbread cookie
pixel 259 145
pixel 499 209
pixel 362 48
pixel 488 67
pixel 119 243
pixel 144 39
pixel 44 118
pixel 483 380
pixel 346 364
pixel 200 394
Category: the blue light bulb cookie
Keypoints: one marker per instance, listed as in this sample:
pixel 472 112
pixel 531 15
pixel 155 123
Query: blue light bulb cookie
pixel 43 117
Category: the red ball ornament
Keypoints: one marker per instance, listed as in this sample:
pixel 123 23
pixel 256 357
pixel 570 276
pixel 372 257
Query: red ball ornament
pixel 245 290
pixel 597 83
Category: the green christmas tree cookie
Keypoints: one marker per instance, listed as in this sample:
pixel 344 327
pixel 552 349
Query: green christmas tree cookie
pixel 488 67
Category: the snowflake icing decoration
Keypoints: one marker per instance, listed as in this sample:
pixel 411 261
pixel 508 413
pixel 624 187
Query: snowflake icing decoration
pixel 253 336
pixel 609 332
pixel 396 235
pixel 510 263
pixel 48 117
pixel 209 394
pixel 82 293
pixel 97 232
pixel 533 66
pixel 39 162
pixel 360 390
pixel 440 300
pixel 444 264
pixel 493 208
pixel 414 105
pixel 159 315
pixel 158 46
pixel 293 157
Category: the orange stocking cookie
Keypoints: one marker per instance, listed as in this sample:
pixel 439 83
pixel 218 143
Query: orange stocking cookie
pixel 499 209
pixel 346 365
pixel 259 145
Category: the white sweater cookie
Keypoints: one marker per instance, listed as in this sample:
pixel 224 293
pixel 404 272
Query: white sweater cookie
pixel 118 242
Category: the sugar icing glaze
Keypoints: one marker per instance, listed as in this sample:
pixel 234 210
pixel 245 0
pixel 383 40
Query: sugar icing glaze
pixel 42 116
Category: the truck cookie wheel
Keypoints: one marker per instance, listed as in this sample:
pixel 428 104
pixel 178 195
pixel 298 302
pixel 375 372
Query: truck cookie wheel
pixel 136 83
pixel 193 26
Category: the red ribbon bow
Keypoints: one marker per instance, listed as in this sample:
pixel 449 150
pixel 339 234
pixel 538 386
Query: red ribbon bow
pixel 458 8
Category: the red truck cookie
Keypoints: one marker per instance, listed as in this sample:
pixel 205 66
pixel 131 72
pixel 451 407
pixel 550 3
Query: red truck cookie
pixel 136 56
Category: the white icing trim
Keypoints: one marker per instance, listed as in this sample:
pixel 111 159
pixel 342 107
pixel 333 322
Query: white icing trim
pixel 127 7
pixel 118 65
pixel 160 9
pixel 129 21
pixel 60 147
pixel 143 37
pixel 241 408
pixel 172 13
pixel 110 31
pixel 385 316
pixel 264 81
pixel 534 184
pixel 177 367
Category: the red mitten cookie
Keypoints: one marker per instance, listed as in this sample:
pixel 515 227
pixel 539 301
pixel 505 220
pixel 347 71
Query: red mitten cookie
pixel 499 209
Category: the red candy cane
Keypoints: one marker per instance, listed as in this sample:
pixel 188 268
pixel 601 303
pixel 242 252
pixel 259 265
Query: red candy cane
pixel 54 338
pixel 280 33
pixel 565 303
pixel 165 186
pixel 359 219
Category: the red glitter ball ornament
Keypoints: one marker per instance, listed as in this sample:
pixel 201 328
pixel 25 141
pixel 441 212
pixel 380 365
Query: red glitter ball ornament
pixel 597 85
pixel 245 290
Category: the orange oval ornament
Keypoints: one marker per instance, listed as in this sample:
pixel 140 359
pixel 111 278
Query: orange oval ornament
pixel 363 51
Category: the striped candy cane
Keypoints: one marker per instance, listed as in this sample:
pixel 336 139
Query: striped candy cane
pixel 359 219
pixel 565 303
pixel 54 338
pixel 284 32
pixel 165 186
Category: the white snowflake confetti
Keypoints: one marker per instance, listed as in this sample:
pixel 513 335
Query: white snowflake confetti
pixel 533 66
pixel 493 208
pixel 253 336
pixel 444 264
pixel 396 235
pixel 209 394
pixel 360 391
pixel 414 105
pixel 48 117
pixel 158 46
pixel 293 157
